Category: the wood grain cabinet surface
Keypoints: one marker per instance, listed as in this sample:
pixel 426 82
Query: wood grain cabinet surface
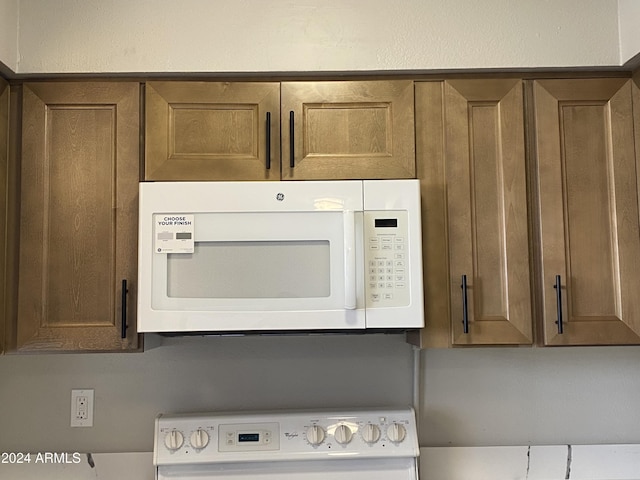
pixel 4 151
pixel 588 211
pixel 551 230
pixel 78 225
pixel 212 131
pixel 236 130
pixel 348 130
pixel 471 150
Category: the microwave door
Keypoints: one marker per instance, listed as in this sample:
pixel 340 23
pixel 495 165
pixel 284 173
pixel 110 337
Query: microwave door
pixel 263 271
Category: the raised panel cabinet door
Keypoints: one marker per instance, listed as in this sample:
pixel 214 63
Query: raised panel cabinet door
pixel 78 224
pixel 487 212
pixel 4 151
pixel 588 204
pixel 348 130
pixel 212 131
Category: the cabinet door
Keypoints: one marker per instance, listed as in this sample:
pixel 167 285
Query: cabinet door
pixel 212 131
pixel 471 162
pixel 347 130
pixel 487 212
pixel 78 225
pixel 588 203
pixel 4 149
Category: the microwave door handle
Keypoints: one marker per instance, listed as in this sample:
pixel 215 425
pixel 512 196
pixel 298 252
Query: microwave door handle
pixel 349 260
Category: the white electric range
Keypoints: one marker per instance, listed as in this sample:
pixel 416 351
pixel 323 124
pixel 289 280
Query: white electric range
pixel 302 445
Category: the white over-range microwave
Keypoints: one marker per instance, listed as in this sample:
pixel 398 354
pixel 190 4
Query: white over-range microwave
pixel 252 257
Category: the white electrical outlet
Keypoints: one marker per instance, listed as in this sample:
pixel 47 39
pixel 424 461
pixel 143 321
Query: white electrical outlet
pixel 82 408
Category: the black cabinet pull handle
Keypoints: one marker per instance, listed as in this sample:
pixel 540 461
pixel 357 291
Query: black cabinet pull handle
pixel 123 330
pixel 465 306
pixel 558 287
pixel 268 140
pixel 292 157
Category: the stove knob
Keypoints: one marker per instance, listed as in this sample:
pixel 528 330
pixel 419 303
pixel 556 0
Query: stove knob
pixel 199 439
pixel 371 433
pixel 173 440
pixel 396 433
pixel 343 434
pixel 315 435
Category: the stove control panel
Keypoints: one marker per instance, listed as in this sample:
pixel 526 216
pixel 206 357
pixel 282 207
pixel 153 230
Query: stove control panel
pixel 274 436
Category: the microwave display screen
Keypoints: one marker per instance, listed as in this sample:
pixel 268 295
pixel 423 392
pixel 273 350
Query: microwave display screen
pixel 386 222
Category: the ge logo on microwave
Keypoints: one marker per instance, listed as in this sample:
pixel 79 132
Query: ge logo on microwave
pixel 280 197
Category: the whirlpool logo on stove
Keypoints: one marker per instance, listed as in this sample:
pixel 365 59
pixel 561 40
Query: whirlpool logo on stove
pixel 291 435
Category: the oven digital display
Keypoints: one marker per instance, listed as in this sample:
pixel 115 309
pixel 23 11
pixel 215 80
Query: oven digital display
pixel 386 222
pixel 248 437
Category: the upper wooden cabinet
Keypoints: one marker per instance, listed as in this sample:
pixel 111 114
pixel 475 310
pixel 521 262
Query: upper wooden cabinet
pixel 233 131
pixel 78 224
pixel 471 151
pixel 4 149
pixel 487 212
pixel 212 131
pixel 588 211
pixel 343 130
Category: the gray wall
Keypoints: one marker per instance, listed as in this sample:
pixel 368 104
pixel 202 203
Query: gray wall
pixel 9 33
pixel 193 374
pixel 468 397
pixel 85 36
pixel 522 396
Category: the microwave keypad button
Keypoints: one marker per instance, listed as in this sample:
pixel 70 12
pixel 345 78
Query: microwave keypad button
pixel 391 285
pixel 387 271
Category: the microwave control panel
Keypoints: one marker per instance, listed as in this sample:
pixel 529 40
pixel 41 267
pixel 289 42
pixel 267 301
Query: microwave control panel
pixel 386 258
